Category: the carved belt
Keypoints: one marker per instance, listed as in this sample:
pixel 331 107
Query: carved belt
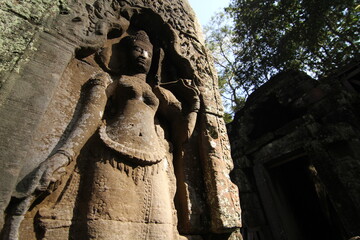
pixel 135 155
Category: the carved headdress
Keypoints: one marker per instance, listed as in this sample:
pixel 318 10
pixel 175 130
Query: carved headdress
pixel 142 40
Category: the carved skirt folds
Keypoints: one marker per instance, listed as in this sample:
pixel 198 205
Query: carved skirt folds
pixel 114 199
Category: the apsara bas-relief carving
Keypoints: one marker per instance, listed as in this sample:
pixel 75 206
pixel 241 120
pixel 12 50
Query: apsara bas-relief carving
pixel 138 147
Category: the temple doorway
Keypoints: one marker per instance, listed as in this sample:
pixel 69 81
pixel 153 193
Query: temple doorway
pixel 301 201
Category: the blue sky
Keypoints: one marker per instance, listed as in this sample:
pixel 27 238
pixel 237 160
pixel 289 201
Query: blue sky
pixel 204 9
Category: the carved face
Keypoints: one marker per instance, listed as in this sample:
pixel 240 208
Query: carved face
pixel 140 58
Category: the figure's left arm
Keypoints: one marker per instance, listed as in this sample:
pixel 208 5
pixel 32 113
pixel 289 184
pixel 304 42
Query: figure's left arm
pixel 182 115
pixel 193 107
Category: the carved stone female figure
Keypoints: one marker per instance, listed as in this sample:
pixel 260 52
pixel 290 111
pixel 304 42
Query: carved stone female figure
pixel 126 183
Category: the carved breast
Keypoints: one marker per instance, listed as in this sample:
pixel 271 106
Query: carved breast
pixel 131 131
pixel 133 88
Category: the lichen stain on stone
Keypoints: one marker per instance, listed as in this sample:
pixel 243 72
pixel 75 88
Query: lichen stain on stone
pixel 27 17
pixel 12 45
pixel 213 144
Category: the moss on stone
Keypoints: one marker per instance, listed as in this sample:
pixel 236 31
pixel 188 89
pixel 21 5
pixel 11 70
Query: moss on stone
pixel 15 36
pixel 20 20
pixel 33 10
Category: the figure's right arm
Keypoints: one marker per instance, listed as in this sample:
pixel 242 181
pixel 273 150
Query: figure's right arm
pixel 53 167
pixel 90 116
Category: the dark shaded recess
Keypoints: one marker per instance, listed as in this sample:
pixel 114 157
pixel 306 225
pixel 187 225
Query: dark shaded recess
pixel 114 33
pixel 297 189
pixel 272 115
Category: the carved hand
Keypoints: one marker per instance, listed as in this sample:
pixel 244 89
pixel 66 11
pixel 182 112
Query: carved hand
pixel 192 94
pixel 49 173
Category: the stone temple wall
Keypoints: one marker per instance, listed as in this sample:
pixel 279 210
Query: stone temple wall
pixel 23 100
pixel 50 49
pixel 295 147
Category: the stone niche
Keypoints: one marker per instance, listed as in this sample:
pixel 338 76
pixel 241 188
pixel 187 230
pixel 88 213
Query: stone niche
pixel 296 151
pixel 71 51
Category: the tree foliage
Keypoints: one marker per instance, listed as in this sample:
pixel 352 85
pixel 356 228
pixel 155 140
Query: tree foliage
pixel 268 36
pixel 220 40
